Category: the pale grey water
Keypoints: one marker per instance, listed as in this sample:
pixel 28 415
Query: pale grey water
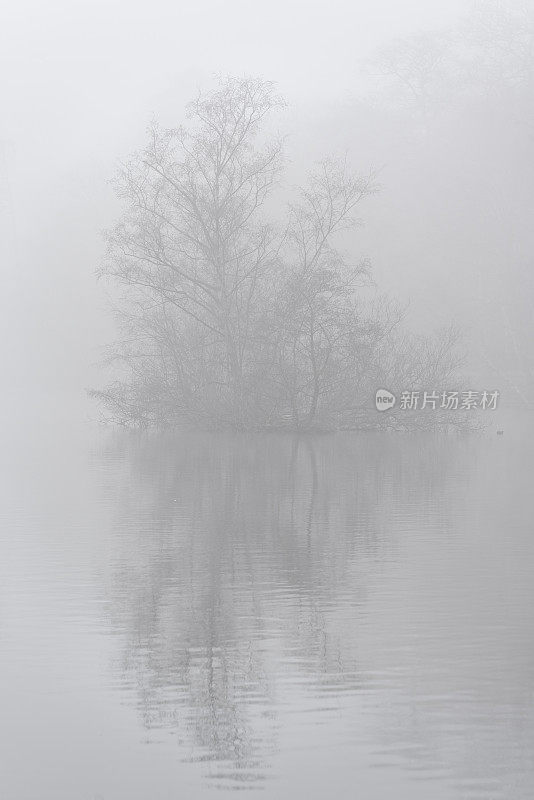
pixel 333 616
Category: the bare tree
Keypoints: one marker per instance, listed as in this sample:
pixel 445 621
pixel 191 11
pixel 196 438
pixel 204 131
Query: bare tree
pixel 418 74
pixel 190 243
pixel 320 335
pixel 228 319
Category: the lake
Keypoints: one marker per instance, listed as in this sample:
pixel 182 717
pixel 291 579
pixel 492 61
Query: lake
pixel 346 615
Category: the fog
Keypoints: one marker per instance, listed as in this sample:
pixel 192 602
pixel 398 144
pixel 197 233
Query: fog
pixel 80 81
pixel 304 563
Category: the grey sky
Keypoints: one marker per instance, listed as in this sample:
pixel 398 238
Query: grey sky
pixel 80 80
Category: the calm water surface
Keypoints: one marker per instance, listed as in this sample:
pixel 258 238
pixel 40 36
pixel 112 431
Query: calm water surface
pixel 339 616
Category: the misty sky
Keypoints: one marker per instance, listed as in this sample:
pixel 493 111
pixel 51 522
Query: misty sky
pixel 79 82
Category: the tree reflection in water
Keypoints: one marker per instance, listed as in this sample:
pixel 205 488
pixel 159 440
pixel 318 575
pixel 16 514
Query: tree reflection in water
pixel 241 572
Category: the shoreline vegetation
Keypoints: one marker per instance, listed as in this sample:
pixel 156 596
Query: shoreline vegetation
pixel 232 317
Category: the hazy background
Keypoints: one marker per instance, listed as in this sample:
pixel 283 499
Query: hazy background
pixel 81 80
pixel 364 601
